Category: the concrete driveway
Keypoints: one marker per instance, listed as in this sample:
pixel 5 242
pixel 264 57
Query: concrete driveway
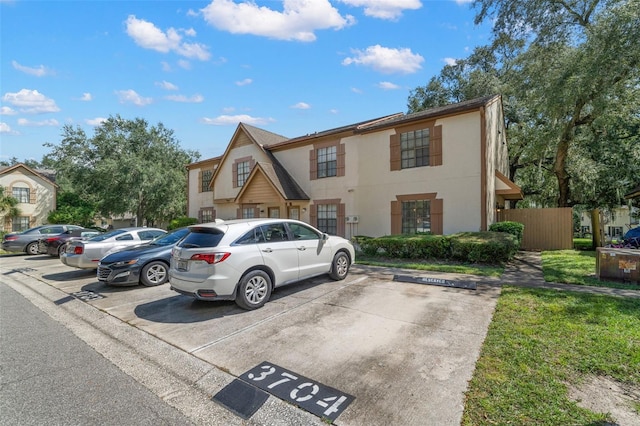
pixel 378 351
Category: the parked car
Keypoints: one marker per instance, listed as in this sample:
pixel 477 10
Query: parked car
pixel 54 245
pixel 27 241
pixel 147 264
pixel 86 254
pixel 245 259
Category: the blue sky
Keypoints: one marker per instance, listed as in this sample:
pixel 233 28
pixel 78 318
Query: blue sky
pixel 200 67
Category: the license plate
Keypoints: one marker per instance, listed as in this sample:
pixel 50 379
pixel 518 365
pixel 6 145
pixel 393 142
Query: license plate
pixel 182 264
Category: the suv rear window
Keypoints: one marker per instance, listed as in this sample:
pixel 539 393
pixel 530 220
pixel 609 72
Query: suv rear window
pixel 202 237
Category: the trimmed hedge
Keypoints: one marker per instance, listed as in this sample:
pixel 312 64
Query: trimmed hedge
pixel 513 228
pixel 471 247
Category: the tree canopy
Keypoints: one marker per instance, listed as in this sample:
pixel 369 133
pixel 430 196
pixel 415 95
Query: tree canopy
pixel 127 166
pixel 569 75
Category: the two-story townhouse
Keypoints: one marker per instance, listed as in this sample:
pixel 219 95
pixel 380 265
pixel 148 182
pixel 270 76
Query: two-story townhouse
pixel 441 170
pixel 36 194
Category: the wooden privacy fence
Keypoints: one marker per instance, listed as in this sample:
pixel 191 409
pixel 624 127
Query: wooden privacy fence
pixel 544 229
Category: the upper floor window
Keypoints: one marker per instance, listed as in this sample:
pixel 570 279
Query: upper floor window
pixel 327 159
pixel 414 146
pixel 243 168
pixel 206 179
pixel 21 194
pixel 327 162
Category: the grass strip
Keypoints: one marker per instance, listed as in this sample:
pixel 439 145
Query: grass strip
pixel 542 340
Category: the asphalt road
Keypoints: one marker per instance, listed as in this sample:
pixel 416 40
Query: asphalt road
pixel 364 351
pixel 50 376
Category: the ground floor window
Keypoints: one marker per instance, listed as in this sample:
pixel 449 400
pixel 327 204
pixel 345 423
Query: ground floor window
pixel 615 231
pixel 416 216
pixel 328 218
pixel 206 215
pixel 274 212
pixel 19 223
pixel 248 212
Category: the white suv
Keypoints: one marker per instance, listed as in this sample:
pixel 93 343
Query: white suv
pixel 245 259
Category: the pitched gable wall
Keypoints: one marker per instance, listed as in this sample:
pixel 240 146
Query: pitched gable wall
pixel 42 195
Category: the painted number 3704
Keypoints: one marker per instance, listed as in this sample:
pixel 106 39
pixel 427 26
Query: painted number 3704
pixel 319 399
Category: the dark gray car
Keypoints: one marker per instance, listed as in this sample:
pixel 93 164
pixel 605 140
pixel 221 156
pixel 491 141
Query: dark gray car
pixel 27 241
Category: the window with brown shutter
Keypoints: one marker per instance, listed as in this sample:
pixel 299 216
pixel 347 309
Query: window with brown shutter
pixel 328 216
pixel 327 159
pixel 416 146
pixel 417 213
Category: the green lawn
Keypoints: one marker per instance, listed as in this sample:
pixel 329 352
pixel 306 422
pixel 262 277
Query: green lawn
pixel 542 341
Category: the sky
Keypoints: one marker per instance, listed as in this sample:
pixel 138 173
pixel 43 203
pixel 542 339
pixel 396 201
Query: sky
pixel 291 67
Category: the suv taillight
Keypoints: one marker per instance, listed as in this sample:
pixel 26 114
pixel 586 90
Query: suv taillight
pixel 78 250
pixel 211 258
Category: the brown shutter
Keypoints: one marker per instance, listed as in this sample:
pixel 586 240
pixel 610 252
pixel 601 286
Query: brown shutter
pixel 256 212
pixel 32 196
pixel 396 217
pixel 394 152
pixel 341 219
pixel 341 159
pixel 435 147
pixel 234 178
pixel 437 216
pixel 313 166
pixel 313 215
pixel 200 181
pixel 239 213
pixel 200 216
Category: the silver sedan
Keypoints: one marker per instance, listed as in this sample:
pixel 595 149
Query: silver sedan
pixel 87 254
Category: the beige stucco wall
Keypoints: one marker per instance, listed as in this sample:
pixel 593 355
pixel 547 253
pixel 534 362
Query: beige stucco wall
pixel 45 200
pixel 197 199
pixel 368 186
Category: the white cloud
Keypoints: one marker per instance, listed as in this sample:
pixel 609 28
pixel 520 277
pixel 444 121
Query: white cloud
pixel 464 1
pixel 386 60
pixel 334 111
pixel 385 9
pixel 42 123
pixel 86 97
pixel 130 96
pixel 356 90
pixel 7 111
pixel 182 98
pixel 244 82
pixel 386 85
pixel 40 71
pixel 184 64
pixel 148 36
pixel 165 66
pixel 95 121
pixel 226 120
pixel 31 101
pixel 298 20
pixel 5 128
pixel 450 61
pixel 301 105
pixel 166 85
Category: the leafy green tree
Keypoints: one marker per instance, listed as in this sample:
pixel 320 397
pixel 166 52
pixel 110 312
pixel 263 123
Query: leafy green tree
pixel 71 208
pixel 127 166
pixel 8 204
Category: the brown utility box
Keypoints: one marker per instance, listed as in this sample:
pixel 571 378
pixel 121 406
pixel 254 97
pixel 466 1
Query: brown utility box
pixel 616 264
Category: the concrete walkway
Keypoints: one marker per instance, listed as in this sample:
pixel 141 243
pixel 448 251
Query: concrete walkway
pixel 526 270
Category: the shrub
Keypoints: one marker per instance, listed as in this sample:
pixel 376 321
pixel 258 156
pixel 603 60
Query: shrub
pixel 180 222
pixel 484 246
pixel 513 228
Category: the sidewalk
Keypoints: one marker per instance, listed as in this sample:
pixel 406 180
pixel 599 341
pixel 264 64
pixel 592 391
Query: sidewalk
pixel 526 270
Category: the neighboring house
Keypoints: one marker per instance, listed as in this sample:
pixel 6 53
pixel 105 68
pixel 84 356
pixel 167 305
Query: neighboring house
pixel 35 191
pixel 635 193
pixel 441 170
pixel 614 223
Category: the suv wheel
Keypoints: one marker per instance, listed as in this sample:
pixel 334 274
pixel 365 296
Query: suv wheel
pixel 340 266
pixel 254 290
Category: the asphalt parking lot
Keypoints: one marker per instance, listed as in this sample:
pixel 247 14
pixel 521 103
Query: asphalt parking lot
pixel 368 350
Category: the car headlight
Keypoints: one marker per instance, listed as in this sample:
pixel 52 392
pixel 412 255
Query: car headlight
pixel 124 263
